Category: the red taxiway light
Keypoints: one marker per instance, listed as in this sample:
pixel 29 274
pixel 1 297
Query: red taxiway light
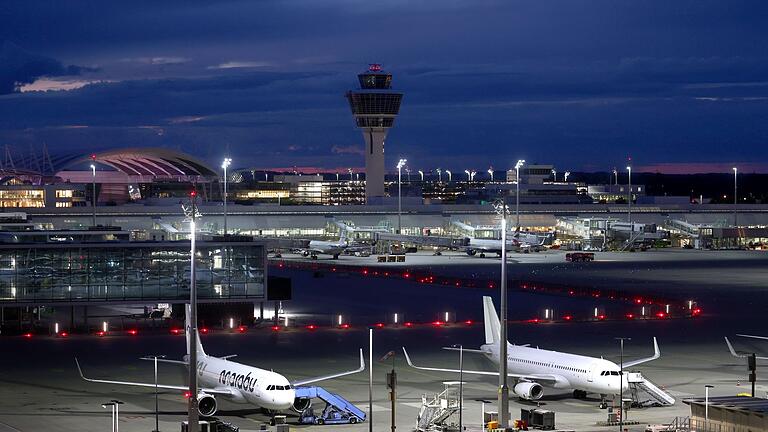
pixel 380 325
pixel 661 314
pixel 365 271
pixel 601 317
pixel 344 326
pixel 63 334
pixel 468 322
pixel 408 324
pixel 27 335
pixel 101 333
pixel 242 329
pixel 311 327
pixel 567 317
pixel 275 328
pixel 437 323
pixel 638 300
pixel 696 311
pixel 406 275
pixel 204 330
pixel 175 331
pixel 629 316
pixel 133 332
pixel 534 320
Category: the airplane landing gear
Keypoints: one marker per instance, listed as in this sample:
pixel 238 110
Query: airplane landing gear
pixel 579 394
pixel 482 255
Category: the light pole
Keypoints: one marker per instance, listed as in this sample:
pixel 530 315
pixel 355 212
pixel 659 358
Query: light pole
pixel 629 196
pixel 337 176
pixel 400 165
pixel 449 175
pixel 554 175
pixel 565 176
pixel 461 386
pixel 93 200
pixel 518 165
pixel 193 416
pixel 472 175
pixel 621 381
pixel 616 175
pixel 735 202
pixel 421 175
pixel 439 175
pixel 490 172
pixel 502 210
pixel 469 176
pixel 350 174
pixel 115 405
pixel 408 174
pixel 157 410
pixel 706 406
pixel 227 162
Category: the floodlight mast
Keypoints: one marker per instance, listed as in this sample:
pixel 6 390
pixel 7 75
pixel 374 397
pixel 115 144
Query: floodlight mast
pixel 192 214
pixel 503 210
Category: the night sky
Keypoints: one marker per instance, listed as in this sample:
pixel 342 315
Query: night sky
pixel 681 86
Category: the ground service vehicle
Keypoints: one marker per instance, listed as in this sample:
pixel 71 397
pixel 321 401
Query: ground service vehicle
pixel 579 256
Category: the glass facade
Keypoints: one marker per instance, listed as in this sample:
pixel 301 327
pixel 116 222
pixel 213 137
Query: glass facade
pixel 21 198
pixel 95 272
pixel 374 103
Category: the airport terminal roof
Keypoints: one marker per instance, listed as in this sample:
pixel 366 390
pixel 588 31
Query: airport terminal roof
pixel 738 403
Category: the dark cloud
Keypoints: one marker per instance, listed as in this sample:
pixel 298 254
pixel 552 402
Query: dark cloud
pixel 19 67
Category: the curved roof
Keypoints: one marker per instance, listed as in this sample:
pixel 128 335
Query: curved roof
pixel 157 162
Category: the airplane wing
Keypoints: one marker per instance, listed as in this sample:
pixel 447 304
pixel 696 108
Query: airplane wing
pixel 656 354
pixel 753 337
pixel 336 375
pixel 222 391
pixel 466 350
pixel 547 378
pixel 742 355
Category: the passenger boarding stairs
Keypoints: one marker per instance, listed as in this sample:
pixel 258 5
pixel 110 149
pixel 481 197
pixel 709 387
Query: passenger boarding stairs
pixel 645 393
pixel 337 409
pixel 435 411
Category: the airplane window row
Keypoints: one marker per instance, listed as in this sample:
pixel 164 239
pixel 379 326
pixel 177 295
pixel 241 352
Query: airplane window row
pixel 278 387
pixel 568 368
pixel 605 373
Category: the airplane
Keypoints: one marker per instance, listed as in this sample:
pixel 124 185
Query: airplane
pixel 332 248
pixel 236 382
pixel 484 246
pixel 534 368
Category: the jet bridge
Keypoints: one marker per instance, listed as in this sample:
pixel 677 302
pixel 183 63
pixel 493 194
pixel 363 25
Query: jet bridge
pixel 337 409
pixel 645 393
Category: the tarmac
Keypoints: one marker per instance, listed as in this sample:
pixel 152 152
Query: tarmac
pixel 40 388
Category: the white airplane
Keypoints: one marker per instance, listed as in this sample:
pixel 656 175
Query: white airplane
pixel 324 247
pixel 533 368
pixel 484 246
pixel 236 382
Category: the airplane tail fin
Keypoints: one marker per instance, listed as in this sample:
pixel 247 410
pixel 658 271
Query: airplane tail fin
pixel 188 331
pixel 491 321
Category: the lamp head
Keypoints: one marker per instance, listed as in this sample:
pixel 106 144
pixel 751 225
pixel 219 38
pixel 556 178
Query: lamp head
pixel 227 162
pixel 519 163
pixel 735 169
pixel 401 163
pixel 629 168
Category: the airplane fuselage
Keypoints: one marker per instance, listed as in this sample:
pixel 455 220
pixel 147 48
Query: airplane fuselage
pixel 576 372
pixel 247 384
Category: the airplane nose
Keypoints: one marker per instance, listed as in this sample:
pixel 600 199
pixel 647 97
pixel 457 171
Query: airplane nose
pixel 287 399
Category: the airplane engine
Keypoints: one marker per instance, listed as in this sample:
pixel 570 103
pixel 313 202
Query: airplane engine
pixel 206 405
pixel 471 252
pixel 529 390
pixel 301 404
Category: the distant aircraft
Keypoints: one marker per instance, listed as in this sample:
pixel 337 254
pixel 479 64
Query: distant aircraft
pixel 484 246
pixel 239 383
pixel 333 248
pixel 533 368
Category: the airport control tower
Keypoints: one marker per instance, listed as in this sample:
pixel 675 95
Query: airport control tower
pixel 375 107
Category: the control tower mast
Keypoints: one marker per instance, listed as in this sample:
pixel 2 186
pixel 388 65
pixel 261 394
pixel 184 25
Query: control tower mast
pixel 374 107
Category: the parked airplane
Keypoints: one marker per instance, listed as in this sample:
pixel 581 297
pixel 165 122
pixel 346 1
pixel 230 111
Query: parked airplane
pixel 533 368
pixel 239 383
pixel 332 248
pixel 484 246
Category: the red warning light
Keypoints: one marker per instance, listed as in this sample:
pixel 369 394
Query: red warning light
pixel 468 322
pixel 365 271
pixel 533 321
pixel 133 332
pixel 175 331
pixel 63 334
pixel 568 317
pixel 275 328
pixel 408 324
pixel 630 316
pixel 187 395
pixel 374 67
pixel 93 157
pixel 344 326
pixel 437 323
pixel 242 329
pixel 27 335
pixel 406 275
pixel 101 333
pixel 204 330
pixel 311 327
pixel 696 312
pixel 380 325
pixel 661 314
pixel 193 194
pixel 601 317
